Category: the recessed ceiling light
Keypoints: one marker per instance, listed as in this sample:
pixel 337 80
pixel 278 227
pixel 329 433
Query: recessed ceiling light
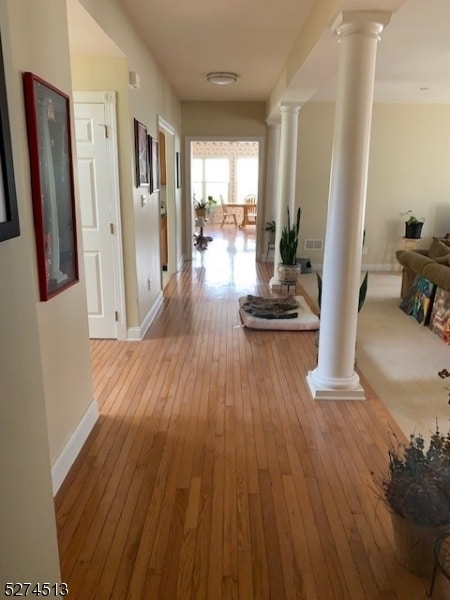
pixel 423 88
pixel 222 78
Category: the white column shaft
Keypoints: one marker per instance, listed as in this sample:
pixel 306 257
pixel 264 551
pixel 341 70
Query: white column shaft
pixel 273 151
pixel 286 173
pixel 346 208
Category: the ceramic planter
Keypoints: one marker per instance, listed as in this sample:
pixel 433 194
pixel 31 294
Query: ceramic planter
pixel 288 273
pixel 414 544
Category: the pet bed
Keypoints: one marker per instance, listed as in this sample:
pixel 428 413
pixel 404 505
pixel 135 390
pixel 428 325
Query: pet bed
pixel 290 313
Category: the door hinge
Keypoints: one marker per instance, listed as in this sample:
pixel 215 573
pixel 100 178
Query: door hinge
pixel 116 315
pixel 111 228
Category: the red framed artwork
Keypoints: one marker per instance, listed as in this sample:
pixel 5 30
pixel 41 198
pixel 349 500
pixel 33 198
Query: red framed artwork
pixel 52 186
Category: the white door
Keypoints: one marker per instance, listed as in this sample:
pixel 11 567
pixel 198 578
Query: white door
pixel 99 214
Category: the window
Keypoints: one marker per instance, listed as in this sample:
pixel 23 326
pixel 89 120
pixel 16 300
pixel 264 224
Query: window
pixel 211 177
pixel 246 177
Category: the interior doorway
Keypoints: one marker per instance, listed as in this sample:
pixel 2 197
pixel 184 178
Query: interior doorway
pixel 170 214
pixel 98 181
pixel 230 171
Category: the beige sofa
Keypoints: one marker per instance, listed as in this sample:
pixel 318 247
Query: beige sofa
pixel 433 264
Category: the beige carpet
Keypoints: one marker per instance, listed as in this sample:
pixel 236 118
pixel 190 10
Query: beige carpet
pixel 399 357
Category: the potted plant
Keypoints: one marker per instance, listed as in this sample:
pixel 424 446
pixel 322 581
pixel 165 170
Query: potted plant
pixel 362 287
pixel 413 225
pixel 271 228
pixel 201 206
pixel 288 269
pixel 362 291
pixel 416 490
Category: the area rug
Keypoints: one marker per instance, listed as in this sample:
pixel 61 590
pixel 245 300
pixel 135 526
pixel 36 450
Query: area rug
pixel 298 318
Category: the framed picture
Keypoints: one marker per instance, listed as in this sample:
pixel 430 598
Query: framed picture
pixel 9 218
pixel 51 165
pixel 141 154
pixel 178 168
pixel 154 164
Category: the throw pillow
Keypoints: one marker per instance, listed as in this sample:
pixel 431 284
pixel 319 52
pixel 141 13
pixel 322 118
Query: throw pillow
pixel 437 249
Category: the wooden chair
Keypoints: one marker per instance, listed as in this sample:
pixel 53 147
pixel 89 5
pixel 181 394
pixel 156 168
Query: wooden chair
pixel 250 209
pixel 228 211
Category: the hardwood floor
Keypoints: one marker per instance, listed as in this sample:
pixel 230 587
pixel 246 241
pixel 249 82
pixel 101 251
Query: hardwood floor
pixel 212 474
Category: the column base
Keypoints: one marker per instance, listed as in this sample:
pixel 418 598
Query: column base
pixel 275 283
pixel 344 390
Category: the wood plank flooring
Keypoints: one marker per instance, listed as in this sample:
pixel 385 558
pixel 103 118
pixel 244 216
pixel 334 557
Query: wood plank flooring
pixel 212 474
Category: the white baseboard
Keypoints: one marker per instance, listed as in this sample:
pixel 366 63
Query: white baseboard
pixel 364 267
pixel 378 267
pixel 135 334
pixel 72 448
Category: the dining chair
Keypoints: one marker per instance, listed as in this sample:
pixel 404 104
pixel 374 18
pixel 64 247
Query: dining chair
pixel 250 209
pixel 228 211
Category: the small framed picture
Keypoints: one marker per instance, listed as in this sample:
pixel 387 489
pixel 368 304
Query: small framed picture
pixel 47 112
pixel 154 164
pixel 141 154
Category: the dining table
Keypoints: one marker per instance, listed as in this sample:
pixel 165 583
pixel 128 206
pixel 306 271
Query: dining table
pixel 245 211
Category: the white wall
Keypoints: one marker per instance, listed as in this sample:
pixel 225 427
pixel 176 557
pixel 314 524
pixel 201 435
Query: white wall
pixel 408 169
pixel 45 375
pixel 155 97
pixel 45 383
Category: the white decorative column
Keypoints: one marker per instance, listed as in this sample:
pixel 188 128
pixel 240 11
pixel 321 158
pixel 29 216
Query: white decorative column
pixel 335 377
pixel 286 176
pixel 273 151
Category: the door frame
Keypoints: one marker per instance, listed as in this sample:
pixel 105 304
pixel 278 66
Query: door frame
pixel 189 220
pixel 109 99
pixel 173 251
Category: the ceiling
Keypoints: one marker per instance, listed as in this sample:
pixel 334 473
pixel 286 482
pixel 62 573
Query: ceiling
pixel 254 38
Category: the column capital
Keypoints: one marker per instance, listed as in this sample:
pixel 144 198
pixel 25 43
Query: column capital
pixel 290 107
pixel 369 22
pixel 272 122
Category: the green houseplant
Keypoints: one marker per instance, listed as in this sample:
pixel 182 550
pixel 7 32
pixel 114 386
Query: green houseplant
pixel 288 269
pixel 362 291
pixel 413 225
pixel 270 226
pixel 289 239
pixel 362 287
pixel 204 203
pixel 416 490
pixel 201 205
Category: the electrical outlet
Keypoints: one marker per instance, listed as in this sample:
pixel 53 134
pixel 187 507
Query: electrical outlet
pixel 365 250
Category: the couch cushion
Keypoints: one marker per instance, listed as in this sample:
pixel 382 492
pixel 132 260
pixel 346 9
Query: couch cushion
pixel 438 274
pixel 413 260
pixel 443 260
pixel 438 249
